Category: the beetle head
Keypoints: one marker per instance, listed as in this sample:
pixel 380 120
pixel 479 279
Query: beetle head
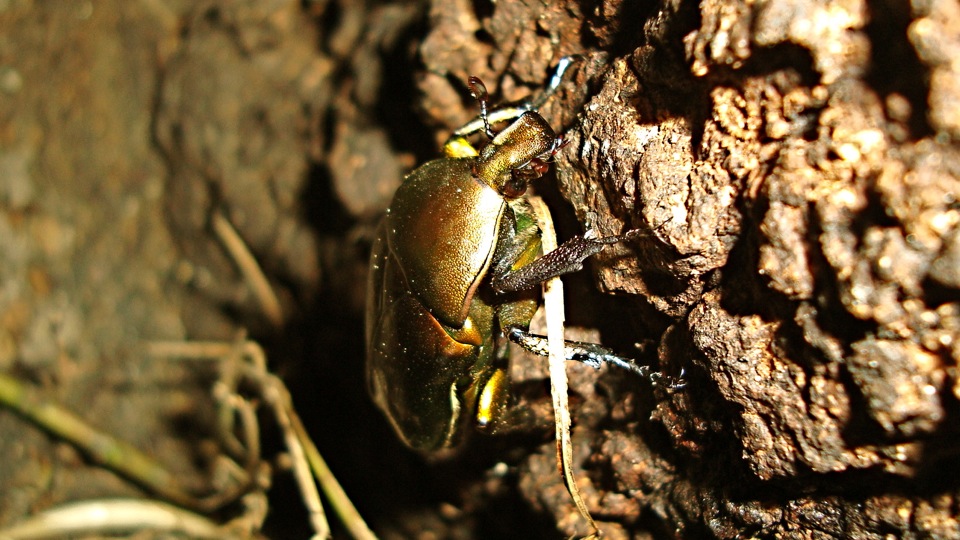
pixel 517 155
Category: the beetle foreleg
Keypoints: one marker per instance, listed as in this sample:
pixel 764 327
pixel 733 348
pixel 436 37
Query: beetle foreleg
pixel 567 258
pixel 592 355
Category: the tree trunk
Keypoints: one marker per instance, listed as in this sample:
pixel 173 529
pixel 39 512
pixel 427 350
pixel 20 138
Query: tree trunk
pixel 793 167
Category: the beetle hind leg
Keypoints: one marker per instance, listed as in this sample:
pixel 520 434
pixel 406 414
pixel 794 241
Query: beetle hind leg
pixel 592 355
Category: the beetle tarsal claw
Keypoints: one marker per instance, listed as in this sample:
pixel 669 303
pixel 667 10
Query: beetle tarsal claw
pixel 656 378
pixel 633 234
pixel 678 383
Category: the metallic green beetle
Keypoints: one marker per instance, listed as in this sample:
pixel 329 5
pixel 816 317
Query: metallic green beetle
pixel 453 268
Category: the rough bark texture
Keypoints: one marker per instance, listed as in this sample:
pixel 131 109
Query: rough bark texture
pixel 795 165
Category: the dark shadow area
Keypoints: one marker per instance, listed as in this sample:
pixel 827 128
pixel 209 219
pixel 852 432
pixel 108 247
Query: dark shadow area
pixel 894 66
pixel 396 108
pixel 832 316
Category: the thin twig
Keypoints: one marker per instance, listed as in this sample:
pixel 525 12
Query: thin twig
pixel 277 397
pixel 301 447
pixel 249 268
pixel 553 305
pixel 342 505
pixel 102 448
pixel 109 517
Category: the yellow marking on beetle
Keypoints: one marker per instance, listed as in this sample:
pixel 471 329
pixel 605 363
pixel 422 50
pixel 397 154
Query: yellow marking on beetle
pixel 454 414
pixel 459 147
pixel 490 399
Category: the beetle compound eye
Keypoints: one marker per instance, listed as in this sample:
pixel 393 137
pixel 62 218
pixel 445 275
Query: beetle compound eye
pixel 530 171
pixel 538 167
pixel 515 186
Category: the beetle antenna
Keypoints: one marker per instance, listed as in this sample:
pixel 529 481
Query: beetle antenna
pixel 555 80
pixel 510 112
pixel 479 92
